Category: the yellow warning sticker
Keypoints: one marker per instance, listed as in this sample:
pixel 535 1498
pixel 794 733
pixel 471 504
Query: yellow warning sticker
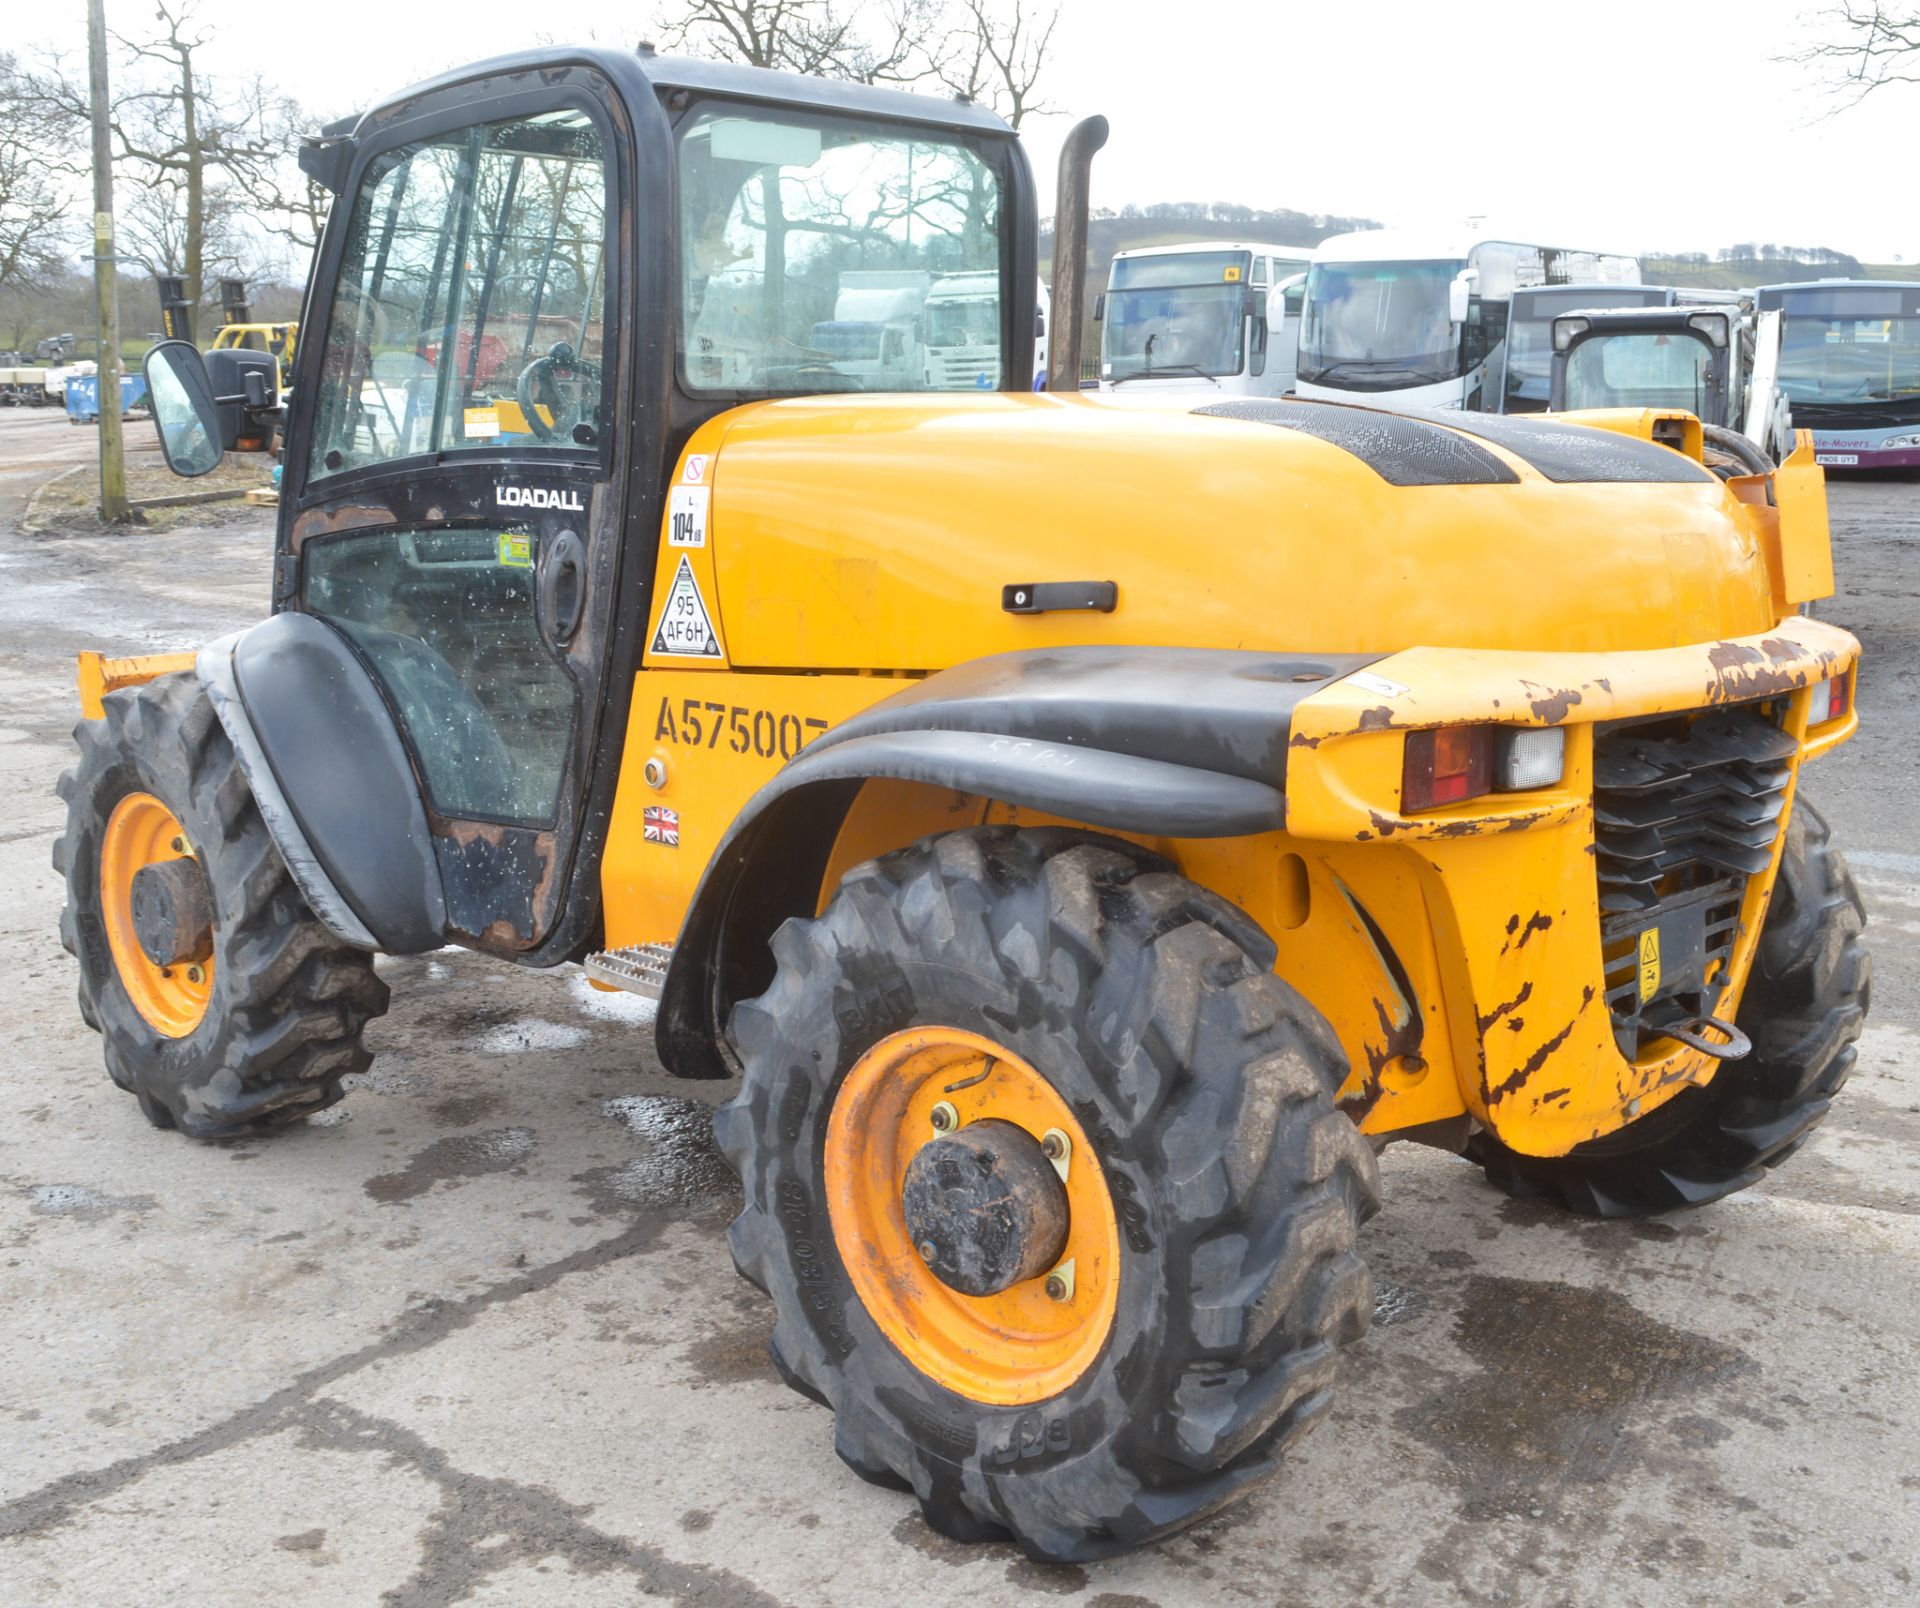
pixel 516 551
pixel 1649 963
pixel 1232 275
pixel 481 422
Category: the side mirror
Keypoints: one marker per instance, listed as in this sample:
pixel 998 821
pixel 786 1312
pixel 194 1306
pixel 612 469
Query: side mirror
pixel 1100 307
pixel 1460 295
pixel 184 411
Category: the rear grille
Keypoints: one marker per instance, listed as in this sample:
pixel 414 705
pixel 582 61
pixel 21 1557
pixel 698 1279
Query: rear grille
pixel 1685 811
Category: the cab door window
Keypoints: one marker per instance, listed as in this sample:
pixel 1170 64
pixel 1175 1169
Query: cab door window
pixel 471 303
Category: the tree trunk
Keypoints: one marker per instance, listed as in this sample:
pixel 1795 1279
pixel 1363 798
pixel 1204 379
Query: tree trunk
pixel 196 179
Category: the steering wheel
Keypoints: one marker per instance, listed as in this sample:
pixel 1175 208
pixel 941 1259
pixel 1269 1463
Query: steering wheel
pixel 539 383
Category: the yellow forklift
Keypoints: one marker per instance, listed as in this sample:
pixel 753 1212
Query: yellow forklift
pixel 1082 836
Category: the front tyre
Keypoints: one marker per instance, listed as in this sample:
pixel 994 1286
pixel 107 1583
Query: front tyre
pixel 1805 1000
pixel 224 1006
pixel 1043 1176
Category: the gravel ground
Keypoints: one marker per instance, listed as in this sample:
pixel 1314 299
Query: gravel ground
pixel 473 1337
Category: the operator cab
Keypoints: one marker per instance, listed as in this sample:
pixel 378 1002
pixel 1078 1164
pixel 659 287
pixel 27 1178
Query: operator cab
pixel 541 275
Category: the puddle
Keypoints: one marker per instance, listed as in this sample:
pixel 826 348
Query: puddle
pixel 76 1200
pixel 1394 1303
pixel 678 1166
pixel 391 1073
pixel 528 1033
pixel 1566 1380
pixel 467 1155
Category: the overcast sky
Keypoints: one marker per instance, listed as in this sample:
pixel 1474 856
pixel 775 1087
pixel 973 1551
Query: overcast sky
pixel 1627 124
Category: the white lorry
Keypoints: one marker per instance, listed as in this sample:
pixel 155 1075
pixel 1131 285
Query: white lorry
pixel 960 332
pixel 1218 317
pixel 874 334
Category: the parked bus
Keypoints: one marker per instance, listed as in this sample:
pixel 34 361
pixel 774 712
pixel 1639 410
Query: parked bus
pixel 1400 315
pixel 1207 316
pixel 1850 367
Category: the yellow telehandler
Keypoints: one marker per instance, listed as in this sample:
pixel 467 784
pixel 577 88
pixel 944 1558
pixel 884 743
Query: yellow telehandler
pixel 1085 836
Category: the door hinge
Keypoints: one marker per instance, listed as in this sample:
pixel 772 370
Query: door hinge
pixel 286 577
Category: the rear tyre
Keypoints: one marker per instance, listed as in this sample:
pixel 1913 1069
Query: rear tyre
pixel 1804 1004
pixel 1070 986
pixel 256 1013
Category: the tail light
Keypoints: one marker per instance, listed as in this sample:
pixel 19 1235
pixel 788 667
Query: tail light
pixel 1830 700
pixel 1446 765
pixel 1451 764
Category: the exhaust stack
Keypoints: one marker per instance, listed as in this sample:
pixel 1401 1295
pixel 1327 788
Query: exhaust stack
pixel 1070 253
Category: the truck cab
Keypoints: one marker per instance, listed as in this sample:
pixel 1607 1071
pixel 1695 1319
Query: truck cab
pixel 1718 363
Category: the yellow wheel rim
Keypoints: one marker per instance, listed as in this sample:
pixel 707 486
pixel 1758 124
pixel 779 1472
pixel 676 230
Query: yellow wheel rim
pixel 1021 1345
pixel 142 832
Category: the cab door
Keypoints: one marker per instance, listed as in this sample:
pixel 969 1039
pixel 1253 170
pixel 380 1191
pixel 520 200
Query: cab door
pixel 453 503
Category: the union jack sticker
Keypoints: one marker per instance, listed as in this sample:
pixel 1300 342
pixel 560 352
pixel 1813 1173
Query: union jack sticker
pixel 658 824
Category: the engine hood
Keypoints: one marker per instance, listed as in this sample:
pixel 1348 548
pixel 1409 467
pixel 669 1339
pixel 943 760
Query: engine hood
pixel 880 532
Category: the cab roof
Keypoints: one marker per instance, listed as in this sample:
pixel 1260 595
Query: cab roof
pixel 691 73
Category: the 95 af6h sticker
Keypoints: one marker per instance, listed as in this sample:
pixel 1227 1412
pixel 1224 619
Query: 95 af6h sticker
pixel 686 628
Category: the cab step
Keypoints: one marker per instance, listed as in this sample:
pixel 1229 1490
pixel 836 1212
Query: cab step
pixel 639 968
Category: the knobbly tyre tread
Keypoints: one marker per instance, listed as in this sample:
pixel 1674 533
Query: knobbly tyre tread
pixel 291 1002
pixel 1803 1007
pixel 1205 1083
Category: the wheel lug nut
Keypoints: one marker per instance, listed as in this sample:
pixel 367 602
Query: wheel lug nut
pixel 179 845
pixel 196 975
pixel 926 1250
pixel 944 1118
pixel 1053 1146
pixel 1056 1287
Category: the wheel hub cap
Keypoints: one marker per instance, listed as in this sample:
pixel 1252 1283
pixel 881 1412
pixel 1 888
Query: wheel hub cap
pixel 986 1208
pixel 173 912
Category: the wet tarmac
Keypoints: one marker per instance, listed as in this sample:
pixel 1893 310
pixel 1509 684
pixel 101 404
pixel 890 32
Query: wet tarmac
pixel 473 1337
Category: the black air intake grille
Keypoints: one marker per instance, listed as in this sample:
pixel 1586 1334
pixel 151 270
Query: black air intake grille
pixel 1684 813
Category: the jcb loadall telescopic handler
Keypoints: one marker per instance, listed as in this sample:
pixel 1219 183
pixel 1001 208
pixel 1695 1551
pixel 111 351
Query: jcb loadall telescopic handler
pixel 1085 834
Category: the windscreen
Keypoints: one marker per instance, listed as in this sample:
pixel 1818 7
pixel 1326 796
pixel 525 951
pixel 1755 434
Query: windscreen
pixel 470 306
pixel 810 245
pixel 1647 369
pixel 1378 325
pixel 1848 356
pixel 1530 334
pixel 1182 314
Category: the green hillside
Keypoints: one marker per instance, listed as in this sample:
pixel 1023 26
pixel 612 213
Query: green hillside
pixel 1746 272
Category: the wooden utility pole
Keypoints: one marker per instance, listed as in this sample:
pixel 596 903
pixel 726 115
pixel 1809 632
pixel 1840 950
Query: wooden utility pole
pixel 113 462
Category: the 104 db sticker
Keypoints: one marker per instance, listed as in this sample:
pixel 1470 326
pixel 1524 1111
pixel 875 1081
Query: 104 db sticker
pixel 702 723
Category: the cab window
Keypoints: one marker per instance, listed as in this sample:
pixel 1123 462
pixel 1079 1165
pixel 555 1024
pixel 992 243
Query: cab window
pixel 810 245
pixel 471 302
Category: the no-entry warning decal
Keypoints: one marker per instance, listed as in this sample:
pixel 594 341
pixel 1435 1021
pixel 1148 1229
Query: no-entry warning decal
pixel 686 628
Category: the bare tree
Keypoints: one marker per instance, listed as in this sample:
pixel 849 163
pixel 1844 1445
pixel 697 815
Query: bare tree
pixel 188 141
pixel 1875 45
pixel 870 44
pixel 995 53
pixel 992 51
pixel 33 201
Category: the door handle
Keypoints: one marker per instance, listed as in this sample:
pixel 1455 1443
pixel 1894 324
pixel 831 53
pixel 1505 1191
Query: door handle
pixel 562 592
